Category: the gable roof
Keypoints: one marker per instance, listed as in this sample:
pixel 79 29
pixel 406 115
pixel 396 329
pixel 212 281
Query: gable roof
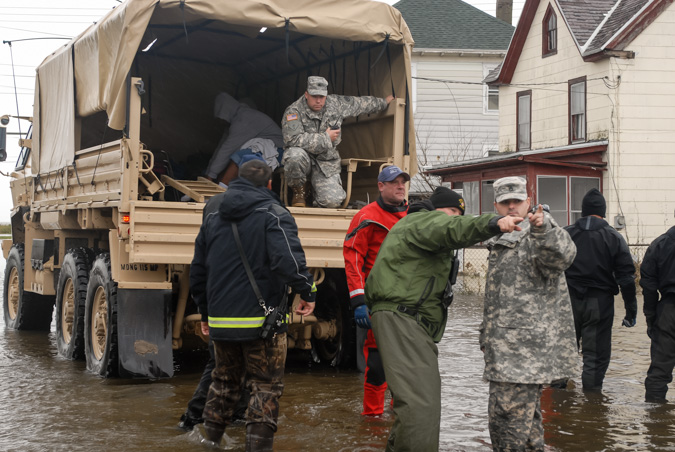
pixel 453 24
pixel 600 28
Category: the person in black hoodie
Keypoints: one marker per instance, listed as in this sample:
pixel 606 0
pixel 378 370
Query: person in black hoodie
pixel 657 276
pixel 231 312
pixel 603 265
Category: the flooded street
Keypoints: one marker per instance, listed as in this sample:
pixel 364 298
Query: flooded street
pixel 48 403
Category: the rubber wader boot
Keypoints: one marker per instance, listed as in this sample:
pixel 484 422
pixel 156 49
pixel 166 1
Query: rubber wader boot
pixel 259 438
pixel 299 197
pixel 213 433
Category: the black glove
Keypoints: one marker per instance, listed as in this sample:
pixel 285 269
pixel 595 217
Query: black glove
pixel 629 321
pixel 650 326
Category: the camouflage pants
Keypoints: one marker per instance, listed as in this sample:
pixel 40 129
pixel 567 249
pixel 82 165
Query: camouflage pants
pixel 515 421
pixel 298 166
pixel 261 363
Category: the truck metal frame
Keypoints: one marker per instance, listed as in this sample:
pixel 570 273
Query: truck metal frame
pixel 99 240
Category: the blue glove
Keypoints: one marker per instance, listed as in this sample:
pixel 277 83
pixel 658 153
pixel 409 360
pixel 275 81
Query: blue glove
pixel 362 317
pixel 629 322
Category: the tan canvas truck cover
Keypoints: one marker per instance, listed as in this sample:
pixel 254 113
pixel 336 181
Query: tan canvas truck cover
pixel 124 126
pixel 89 74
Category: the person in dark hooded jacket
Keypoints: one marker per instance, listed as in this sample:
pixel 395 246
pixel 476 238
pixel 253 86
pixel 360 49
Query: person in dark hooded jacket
pixel 231 313
pixel 603 264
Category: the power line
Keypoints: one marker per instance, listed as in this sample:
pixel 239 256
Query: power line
pixel 35 31
pixel 24 76
pixel 51 21
pixel 50 14
pixel 57 8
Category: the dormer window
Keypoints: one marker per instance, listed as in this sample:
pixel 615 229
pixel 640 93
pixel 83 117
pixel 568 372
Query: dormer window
pixel 549 33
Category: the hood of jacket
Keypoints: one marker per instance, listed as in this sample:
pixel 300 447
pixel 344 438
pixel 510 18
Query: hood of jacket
pixel 226 107
pixel 242 198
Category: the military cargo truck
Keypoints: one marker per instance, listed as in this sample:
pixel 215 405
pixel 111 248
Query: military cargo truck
pixel 108 193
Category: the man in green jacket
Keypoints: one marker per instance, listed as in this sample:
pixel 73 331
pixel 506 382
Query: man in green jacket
pixel 404 293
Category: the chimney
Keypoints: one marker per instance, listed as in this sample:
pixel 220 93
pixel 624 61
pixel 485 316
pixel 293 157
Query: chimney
pixel 505 11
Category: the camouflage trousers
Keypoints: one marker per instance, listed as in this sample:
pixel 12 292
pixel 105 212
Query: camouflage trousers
pixel 261 364
pixel 514 417
pixel 327 190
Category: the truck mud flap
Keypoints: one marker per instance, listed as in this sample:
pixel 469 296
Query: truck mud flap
pixel 144 333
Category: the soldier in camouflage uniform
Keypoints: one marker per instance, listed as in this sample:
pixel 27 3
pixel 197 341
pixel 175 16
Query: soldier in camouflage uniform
pixel 527 334
pixel 311 130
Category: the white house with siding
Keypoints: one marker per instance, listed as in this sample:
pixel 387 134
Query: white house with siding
pixel 456 46
pixel 583 77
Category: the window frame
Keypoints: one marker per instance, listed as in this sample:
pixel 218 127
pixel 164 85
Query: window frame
pixel 570 208
pixel 571 129
pixel 547 51
pixel 486 91
pixel 566 191
pixel 529 138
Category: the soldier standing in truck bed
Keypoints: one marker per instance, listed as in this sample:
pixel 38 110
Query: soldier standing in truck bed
pixel 311 130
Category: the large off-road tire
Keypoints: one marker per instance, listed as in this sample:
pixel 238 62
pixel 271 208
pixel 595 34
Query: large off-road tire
pixel 71 295
pixel 100 326
pixel 23 310
pixel 333 303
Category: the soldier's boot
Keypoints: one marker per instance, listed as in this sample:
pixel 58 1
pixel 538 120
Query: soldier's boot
pixel 299 196
pixel 259 438
pixel 213 433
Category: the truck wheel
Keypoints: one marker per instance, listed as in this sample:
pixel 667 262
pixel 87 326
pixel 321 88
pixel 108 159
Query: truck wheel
pixel 338 351
pixel 100 326
pixel 71 295
pixel 23 310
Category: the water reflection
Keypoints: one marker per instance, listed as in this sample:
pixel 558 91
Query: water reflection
pixel 48 403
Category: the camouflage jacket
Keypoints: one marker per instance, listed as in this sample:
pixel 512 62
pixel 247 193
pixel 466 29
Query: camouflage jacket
pixel 304 128
pixel 527 333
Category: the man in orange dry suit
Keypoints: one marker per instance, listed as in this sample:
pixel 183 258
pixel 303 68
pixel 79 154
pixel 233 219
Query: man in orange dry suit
pixel 365 236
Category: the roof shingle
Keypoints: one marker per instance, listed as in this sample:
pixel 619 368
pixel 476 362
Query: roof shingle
pixel 453 24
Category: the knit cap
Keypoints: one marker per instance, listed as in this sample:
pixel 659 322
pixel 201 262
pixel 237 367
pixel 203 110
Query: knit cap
pixel 444 197
pixel 593 204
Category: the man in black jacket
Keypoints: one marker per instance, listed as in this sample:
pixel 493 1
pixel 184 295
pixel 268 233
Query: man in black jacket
pixel 657 274
pixel 603 262
pixel 231 312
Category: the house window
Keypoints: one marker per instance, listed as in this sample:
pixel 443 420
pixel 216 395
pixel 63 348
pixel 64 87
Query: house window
pixel 579 186
pixel 471 197
pixel 487 196
pixel 577 110
pixel 549 33
pixel 523 113
pixel 552 190
pixel 490 93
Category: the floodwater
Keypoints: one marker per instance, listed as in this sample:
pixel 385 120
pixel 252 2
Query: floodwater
pixel 48 403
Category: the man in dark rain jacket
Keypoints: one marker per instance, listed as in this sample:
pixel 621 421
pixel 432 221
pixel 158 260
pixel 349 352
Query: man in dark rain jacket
pixel 231 312
pixel 404 292
pixel 603 264
pixel 657 275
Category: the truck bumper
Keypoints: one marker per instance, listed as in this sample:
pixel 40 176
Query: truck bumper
pixel 144 333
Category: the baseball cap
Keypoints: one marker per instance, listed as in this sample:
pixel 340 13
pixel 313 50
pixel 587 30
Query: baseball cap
pixel 249 157
pixel 512 187
pixel 392 172
pixel 317 86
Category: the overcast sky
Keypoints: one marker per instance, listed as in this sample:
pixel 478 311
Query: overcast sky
pixel 48 19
